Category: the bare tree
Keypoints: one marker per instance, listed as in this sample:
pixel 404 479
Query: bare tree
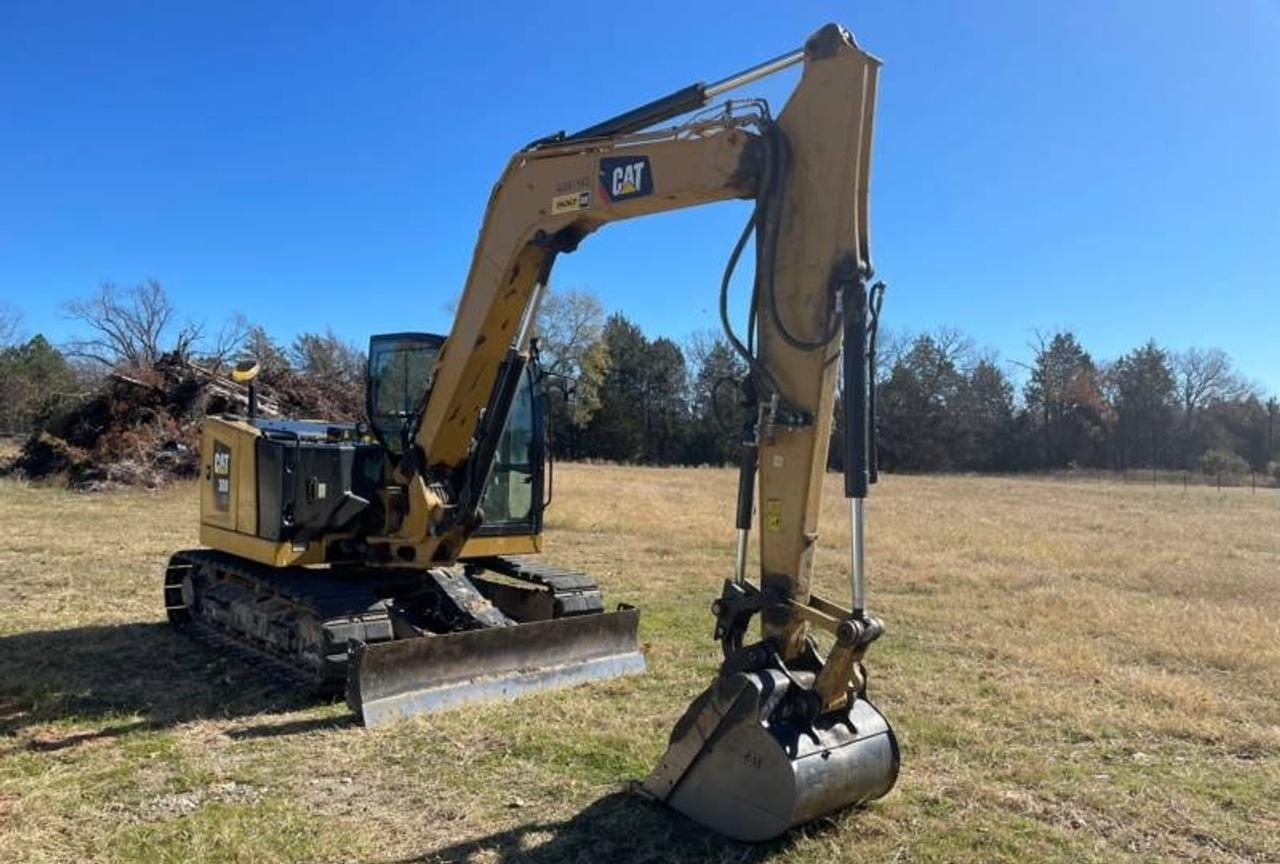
pixel 700 344
pixel 570 328
pixel 10 325
pixel 1205 377
pixel 955 348
pixel 131 327
pixel 228 343
pixel 892 344
pixel 568 321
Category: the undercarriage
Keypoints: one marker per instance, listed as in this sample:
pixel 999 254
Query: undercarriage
pixel 324 628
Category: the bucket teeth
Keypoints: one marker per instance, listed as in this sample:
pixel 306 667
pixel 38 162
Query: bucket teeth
pixel 742 763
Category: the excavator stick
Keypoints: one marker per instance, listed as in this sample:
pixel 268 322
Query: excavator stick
pixel 423 675
pixel 784 734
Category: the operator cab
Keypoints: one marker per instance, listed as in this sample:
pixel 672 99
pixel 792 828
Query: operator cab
pixel 400 370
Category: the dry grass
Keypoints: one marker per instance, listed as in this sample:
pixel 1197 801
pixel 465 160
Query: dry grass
pixel 1078 672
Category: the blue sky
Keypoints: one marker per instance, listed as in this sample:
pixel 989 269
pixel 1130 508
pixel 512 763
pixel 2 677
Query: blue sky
pixel 1106 166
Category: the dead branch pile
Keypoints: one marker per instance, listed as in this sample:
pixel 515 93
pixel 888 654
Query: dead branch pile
pixel 135 431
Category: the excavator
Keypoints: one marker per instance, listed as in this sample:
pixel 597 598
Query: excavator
pixel 397 558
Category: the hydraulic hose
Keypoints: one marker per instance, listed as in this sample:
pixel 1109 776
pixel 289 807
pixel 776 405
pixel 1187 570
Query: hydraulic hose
pixel 777 160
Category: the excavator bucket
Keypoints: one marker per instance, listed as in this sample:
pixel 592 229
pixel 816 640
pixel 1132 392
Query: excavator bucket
pixel 742 763
pixel 422 675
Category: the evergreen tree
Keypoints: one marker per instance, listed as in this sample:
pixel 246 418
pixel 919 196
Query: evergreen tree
pixel 35 379
pixel 1065 396
pixel 616 430
pixel 665 403
pixel 917 409
pixel 716 423
pixel 1144 398
pixel 985 423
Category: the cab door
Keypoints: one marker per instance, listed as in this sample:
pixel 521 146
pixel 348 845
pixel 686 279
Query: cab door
pixel 513 499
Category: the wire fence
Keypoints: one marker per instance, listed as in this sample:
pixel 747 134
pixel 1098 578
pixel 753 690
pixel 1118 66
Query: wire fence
pixel 1254 481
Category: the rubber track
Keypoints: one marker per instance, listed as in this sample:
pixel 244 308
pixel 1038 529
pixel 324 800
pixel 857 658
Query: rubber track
pixel 343 608
pixel 575 592
pixel 340 608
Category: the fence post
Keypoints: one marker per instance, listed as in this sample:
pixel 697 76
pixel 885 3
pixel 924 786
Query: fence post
pixel 1219 482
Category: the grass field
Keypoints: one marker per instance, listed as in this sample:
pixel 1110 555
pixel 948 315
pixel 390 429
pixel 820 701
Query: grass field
pixel 1077 672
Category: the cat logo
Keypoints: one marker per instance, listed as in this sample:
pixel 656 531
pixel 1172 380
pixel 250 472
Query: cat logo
pixel 221 476
pixel 623 177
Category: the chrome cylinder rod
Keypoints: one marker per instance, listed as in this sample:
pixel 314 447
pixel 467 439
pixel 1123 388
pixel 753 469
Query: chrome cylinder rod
pixel 525 328
pixel 857 555
pixel 674 104
pixel 740 562
pixel 768 67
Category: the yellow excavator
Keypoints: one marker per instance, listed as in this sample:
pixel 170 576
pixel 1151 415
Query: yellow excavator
pixel 397 558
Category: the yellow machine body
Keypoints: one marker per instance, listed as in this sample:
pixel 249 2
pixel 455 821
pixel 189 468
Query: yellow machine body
pixel 229 505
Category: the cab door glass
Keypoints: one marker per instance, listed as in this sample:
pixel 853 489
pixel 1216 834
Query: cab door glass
pixel 509 497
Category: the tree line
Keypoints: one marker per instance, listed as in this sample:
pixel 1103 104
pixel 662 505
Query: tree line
pixel 942 403
pixel 620 395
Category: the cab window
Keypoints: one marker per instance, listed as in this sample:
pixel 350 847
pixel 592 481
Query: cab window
pixel 399 373
pixel 510 495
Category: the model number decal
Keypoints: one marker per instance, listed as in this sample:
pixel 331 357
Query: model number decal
pixel 571 202
pixel 624 177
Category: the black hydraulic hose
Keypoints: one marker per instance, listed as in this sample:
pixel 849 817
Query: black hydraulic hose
pixel 777 160
pixel 753 364
pixel 873 336
pixel 730 266
pixel 765 221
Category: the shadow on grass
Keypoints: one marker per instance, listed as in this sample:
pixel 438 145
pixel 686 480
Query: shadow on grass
pixel 108 674
pixel 621 828
pixel 293 727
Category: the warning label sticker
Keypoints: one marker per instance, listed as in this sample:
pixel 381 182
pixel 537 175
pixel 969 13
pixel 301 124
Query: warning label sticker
pixel 773 515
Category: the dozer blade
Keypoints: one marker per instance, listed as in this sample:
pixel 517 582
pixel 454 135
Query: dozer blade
pixel 422 675
pixel 739 763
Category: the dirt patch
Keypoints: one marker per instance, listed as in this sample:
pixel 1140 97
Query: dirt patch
pixel 176 804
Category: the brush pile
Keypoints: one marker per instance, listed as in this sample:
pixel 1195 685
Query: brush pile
pixel 134 431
